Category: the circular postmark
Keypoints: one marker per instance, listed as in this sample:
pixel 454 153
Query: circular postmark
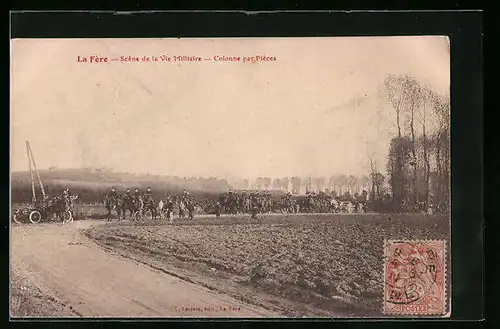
pixel 411 272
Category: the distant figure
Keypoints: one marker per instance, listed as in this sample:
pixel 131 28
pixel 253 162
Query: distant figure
pixel 217 209
pixel 66 195
pixel 255 210
pixel 127 194
pixel 148 194
pixel 68 201
pixel 113 194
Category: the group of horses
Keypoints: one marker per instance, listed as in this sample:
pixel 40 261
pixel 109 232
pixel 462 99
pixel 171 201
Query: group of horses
pixel 57 206
pixel 262 202
pixel 148 207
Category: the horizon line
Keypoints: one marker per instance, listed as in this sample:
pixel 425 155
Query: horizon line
pixel 191 176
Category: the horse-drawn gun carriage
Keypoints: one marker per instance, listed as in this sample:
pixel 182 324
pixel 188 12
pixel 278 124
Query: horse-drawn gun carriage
pixel 53 210
pixel 139 208
pixel 46 209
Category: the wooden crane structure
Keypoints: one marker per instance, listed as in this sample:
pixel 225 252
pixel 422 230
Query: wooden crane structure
pixel 32 167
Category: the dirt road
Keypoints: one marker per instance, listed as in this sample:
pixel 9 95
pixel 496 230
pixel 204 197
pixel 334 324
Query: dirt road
pixel 98 284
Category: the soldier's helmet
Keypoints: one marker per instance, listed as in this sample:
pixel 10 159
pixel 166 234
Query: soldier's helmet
pixel 112 189
pixel 149 189
pixel 137 190
pixel 128 190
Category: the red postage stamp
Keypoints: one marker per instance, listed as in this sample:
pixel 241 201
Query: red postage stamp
pixel 414 274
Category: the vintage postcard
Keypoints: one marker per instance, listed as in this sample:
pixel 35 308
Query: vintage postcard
pixel 231 177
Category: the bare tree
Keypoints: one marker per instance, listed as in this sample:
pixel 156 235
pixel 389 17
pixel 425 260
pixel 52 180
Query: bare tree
pixel 342 182
pixel 309 184
pixel 423 113
pixel 413 101
pixel 296 182
pixel 395 94
pixel 259 183
pixel 284 183
pixel 405 95
pixel 351 182
pixel 276 184
pixel 319 182
pixel 332 183
pixel 364 181
pixel 373 171
pixel 441 106
pixel 267 182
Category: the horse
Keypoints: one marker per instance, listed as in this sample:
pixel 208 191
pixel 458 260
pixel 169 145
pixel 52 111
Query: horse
pixel 113 203
pixel 56 206
pixel 161 204
pixel 151 205
pixel 334 206
pixel 190 208
pixel 137 205
pixel 182 208
pixel 127 204
pixel 167 208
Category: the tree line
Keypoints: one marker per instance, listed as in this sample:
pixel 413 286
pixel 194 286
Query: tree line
pixel 418 164
pixel 335 184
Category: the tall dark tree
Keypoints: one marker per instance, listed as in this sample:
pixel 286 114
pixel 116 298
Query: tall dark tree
pixel 399 169
pixel 413 100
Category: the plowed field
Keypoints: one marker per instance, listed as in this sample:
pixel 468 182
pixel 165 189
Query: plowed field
pixel 304 264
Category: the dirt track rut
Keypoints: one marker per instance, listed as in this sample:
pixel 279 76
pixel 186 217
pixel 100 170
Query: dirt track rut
pixel 98 284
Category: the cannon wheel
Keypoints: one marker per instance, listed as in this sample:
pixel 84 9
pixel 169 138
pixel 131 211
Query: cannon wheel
pixel 35 217
pixel 67 217
pixel 137 216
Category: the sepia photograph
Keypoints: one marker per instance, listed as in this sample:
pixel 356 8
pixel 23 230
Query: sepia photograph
pixel 257 177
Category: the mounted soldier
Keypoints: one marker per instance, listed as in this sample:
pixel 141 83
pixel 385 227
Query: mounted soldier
pixel 137 202
pixel 186 196
pixel 66 194
pixel 149 202
pixel 68 202
pixel 112 201
pixel 148 193
pixel 127 195
pixel 113 194
pixel 230 202
pixel 127 203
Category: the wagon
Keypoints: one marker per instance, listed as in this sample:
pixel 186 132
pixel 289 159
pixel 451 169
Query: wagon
pixel 347 207
pixel 36 214
pixel 141 215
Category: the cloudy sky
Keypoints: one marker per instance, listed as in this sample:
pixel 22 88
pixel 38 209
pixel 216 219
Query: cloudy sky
pixel 316 110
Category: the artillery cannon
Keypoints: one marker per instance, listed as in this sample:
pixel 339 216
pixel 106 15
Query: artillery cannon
pixel 46 209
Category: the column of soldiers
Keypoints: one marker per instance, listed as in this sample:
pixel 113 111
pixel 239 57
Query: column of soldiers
pixel 129 195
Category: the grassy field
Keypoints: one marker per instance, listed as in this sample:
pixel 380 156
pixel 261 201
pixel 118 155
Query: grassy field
pixel 333 263
pixel 28 300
